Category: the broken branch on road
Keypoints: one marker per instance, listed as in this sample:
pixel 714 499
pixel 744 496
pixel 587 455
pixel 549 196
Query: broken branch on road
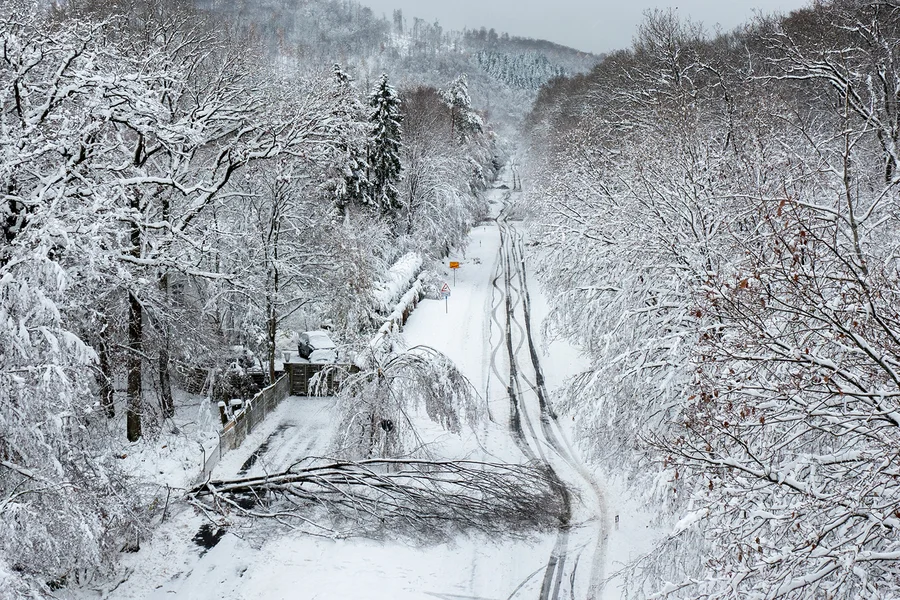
pixel 349 498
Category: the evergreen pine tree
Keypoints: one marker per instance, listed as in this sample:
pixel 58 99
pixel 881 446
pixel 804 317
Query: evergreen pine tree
pixel 385 143
pixel 352 183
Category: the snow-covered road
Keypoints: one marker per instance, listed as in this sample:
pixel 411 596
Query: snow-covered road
pixel 576 566
pixel 490 333
pixel 490 330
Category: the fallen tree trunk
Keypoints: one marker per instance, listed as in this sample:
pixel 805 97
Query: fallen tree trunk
pixel 418 496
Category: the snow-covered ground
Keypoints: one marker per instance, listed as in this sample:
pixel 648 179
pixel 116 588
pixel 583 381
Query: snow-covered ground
pixel 278 564
pixel 176 456
pixel 271 563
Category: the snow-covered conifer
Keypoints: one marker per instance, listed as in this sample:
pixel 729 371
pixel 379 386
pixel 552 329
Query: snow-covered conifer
pixel 464 121
pixel 385 144
pixel 352 183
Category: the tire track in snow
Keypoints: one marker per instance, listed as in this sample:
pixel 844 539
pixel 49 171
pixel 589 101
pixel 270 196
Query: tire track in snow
pixel 553 572
pixel 560 562
pixel 560 442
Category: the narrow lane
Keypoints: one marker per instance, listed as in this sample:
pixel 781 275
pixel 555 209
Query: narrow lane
pixel 581 538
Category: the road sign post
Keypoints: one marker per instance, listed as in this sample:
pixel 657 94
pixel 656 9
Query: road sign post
pixel 454 266
pixel 445 294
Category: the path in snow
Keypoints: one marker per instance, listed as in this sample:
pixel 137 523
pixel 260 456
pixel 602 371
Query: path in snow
pixel 576 566
pixel 298 428
pixel 486 328
pixel 490 334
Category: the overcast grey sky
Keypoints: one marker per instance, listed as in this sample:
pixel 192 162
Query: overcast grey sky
pixel 593 25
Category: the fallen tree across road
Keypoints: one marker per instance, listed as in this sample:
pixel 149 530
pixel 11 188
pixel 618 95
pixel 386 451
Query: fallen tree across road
pixel 346 498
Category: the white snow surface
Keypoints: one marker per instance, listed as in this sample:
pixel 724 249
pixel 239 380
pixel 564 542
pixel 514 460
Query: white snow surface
pixel 177 455
pixel 273 563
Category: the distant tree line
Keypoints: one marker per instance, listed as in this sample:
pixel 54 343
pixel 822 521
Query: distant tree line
pixel 523 71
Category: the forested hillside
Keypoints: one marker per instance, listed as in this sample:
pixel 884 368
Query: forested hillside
pixel 524 71
pixel 718 226
pixel 504 71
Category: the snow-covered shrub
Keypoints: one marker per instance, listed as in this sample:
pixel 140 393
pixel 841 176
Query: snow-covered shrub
pixel 396 282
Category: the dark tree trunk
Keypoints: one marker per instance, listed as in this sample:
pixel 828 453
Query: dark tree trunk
pixel 271 346
pixel 167 404
pixel 272 324
pixel 165 381
pixel 889 170
pixel 134 408
pixel 135 361
pixel 272 308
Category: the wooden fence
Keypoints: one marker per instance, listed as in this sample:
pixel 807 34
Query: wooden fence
pixel 245 420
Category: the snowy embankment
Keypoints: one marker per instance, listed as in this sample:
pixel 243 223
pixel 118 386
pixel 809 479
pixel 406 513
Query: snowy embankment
pixel 632 531
pixel 175 457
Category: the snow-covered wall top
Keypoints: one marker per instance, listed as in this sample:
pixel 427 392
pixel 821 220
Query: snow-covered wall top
pixel 397 281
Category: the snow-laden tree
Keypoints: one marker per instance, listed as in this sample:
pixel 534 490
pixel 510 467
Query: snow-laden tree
pixel 794 403
pixel 723 245
pixel 381 407
pixel 351 180
pixel 63 504
pixel 208 124
pixel 464 121
pixel 443 174
pixel 278 271
pixel 384 148
pixel 296 258
pixel 291 256
pixel 631 202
